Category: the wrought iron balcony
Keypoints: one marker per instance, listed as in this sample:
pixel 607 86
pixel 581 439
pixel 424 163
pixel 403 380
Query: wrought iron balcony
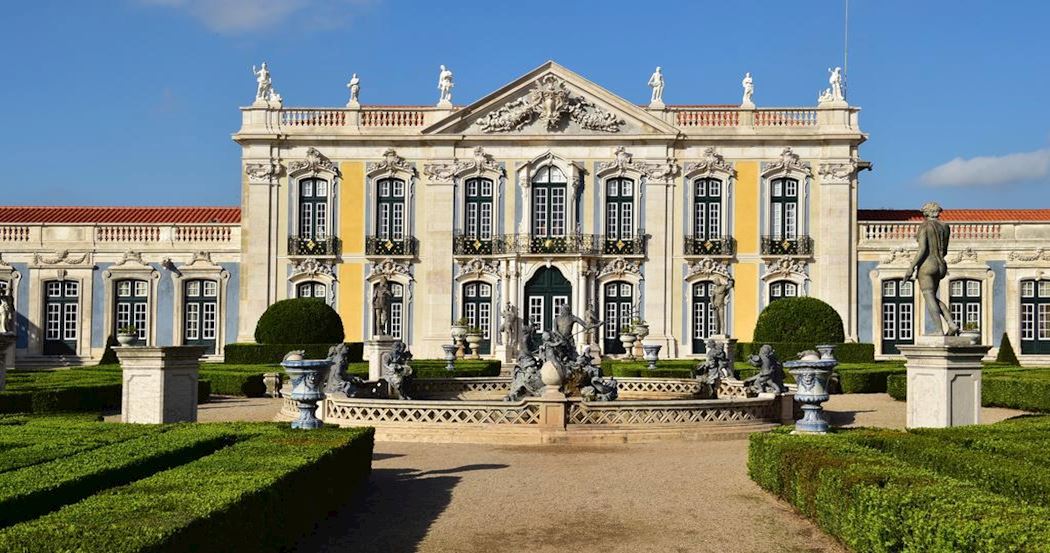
pixel 301 245
pixel 407 246
pixel 463 244
pixel 717 246
pixel 632 245
pixel 799 245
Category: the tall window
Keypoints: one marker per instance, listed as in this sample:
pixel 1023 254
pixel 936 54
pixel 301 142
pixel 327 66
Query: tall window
pixel 1035 316
pixel 707 212
pixel 200 313
pixel 784 208
pixel 619 307
pixel 313 209
pixel 311 289
pixel 478 223
pixel 964 302
pixel 782 289
pixel 477 309
pixel 619 208
pixel 703 315
pixel 132 306
pixel 549 192
pixel 61 316
pixel 390 209
pixel 397 310
pixel 898 314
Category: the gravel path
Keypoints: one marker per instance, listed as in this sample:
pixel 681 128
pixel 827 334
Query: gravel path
pixel 881 410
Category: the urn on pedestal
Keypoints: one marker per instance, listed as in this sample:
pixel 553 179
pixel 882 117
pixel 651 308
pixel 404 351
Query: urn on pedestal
pixel 308 377
pixel 651 354
pixel 811 376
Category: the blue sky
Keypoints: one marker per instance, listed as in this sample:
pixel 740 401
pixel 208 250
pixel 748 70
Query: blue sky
pixel 117 102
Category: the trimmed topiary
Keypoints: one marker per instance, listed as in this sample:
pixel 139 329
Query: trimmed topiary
pixel 299 321
pixel 1006 353
pixel 806 320
pixel 109 357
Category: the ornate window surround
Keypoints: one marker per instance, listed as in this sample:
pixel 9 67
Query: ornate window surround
pixel 395 167
pixel 789 167
pixel 784 268
pixel 200 267
pixel 483 166
pixel 316 165
pixel 313 269
pixel 622 166
pixel 704 270
pixel 62 266
pixel 131 266
pixel 395 272
pixel 714 166
pixel 572 171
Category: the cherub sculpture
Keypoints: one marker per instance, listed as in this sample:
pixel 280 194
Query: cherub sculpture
pixel 770 377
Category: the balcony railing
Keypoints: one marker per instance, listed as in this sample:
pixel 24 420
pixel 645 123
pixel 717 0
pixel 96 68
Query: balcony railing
pixel 719 246
pixel 463 244
pixel 407 246
pixel 800 245
pixel 906 231
pixel 571 244
pixel 632 245
pixel 300 245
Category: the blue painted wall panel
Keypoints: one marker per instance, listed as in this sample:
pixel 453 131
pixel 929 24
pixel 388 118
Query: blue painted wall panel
pixel 998 301
pixel 99 332
pixel 233 299
pixel 865 297
pixel 165 307
pixel 22 307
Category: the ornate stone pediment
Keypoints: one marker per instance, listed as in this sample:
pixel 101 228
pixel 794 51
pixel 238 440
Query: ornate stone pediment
pixel 711 162
pixel 624 163
pixel 262 173
pixel 480 163
pixel 477 267
pixel 312 267
pixel 619 267
pixel 130 257
pixel 707 267
pixel 315 163
pixel 61 257
pixel 785 266
pixel 389 268
pixel 551 104
pixel 789 162
pixel 391 163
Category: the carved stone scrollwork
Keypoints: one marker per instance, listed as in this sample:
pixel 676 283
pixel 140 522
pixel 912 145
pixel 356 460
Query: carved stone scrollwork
pixel 61 257
pixel 785 266
pixel 262 173
pixel 478 267
pixel 708 267
pixel 480 163
pixel 391 163
pixel 130 257
pixel 712 161
pixel 898 254
pixel 789 161
pixel 837 172
pixel 389 268
pixel 622 162
pixel 966 255
pixel 314 163
pixel 1040 254
pixel 619 267
pixel 313 267
pixel 663 172
pixel 439 172
pixel 550 102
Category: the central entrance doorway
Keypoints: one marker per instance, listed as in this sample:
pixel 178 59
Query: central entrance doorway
pixel 545 292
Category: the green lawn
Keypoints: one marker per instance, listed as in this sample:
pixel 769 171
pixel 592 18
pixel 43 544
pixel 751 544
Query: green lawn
pixel 974 488
pixel 73 484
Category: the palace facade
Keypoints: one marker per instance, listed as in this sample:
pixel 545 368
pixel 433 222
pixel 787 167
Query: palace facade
pixel 551 190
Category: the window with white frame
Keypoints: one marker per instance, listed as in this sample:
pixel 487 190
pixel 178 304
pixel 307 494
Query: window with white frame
pixel 397 310
pixel 707 209
pixel 390 209
pixel 313 209
pixel 131 307
pixel 898 314
pixel 311 289
pixel 61 317
pixel 1035 316
pixel 477 309
pixel 549 197
pixel 964 303
pixel 779 289
pixel 619 208
pixel 783 199
pixel 478 212
pixel 200 313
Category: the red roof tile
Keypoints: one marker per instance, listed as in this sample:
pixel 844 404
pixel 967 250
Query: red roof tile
pixel 962 215
pixel 126 215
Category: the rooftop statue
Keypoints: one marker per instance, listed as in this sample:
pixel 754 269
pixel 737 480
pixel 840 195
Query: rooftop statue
pixel 749 91
pixel 445 85
pixel 262 78
pixel 929 266
pixel 355 88
pixel 656 82
pixel 835 80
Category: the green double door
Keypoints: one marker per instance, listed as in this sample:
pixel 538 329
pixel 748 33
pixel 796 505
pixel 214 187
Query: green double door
pixel 545 293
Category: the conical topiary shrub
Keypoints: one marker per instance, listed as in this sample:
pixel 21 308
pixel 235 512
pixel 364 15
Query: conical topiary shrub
pixel 1006 352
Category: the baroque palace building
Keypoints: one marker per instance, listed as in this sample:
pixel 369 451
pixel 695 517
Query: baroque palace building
pixel 550 190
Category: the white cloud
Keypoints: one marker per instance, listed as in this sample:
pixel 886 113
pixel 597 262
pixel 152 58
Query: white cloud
pixel 245 16
pixel 991 170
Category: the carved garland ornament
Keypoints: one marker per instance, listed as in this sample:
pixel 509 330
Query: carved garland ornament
pixel 789 161
pixel 898 254
pixel 1040 254
pixel 314 163
pixel 444 172
pixel 550 101
pixel 313 267
pixel 129 257
pixel 785 266
pixel 389 268
pixel 262 173
pixel 963 255
pixel 620 267
pixel 61 257
pixel 624 161
pixel 478 267
pixel 840 172
pixel 708 267
pixel 391 162
pixel 712 161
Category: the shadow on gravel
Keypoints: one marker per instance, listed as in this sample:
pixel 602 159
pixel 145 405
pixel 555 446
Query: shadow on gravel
pixel 843 418
pixel 391 514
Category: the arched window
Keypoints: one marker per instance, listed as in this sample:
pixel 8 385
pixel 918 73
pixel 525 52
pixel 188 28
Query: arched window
pixel 898 314
pixel 311 289
pixel 61 317
pixel 478 209
pixel 784 209
pixel 619 307
pixel 549 193
pixel 200 313
pixel 1035 316
pixel 619 209
pixel 964 302
pixel 131 307
pixel 477 309
pixel 782 289
pixel 390 209
pixel 707 210
pixel 313 209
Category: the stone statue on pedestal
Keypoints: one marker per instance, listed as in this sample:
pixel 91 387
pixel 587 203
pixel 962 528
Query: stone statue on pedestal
pixel 350 386
pixel 770 377
pixel 713 369
pixel 835 80
pixel 929 266
pixel 749 91
pixel 719 298
pixel 355 89
pixel 511 330
pixel 591 322
pixel 264 88
pixel 7 316
pixel 656 82
pixel 445 85
pixel 382 297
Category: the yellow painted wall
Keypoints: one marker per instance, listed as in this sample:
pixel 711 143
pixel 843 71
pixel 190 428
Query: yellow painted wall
pixel 746 208
pixel 352 235
pixel 745 300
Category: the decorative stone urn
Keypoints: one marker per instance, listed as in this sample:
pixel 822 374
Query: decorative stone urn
pixel 459 332
pixel 552 380
pixel 474 341
pixel 640 329
pixel 652 353
pixel 827 351
pixel 811 376
pixel 127 339
pixel 628 339
pixel 450 356
pixel 308 377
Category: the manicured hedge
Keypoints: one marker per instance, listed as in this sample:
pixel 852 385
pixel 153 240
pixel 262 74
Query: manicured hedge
pixel 68 390
pixel 247 496
pixel 299 321
pixel 801 319
pixel 31 441
pixel 267 354
pixel 844 352
pixel 875 502
pixel 1025 389
pixel 435 368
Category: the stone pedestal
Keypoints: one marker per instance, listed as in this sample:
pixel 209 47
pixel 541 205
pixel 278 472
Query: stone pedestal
pixel 374 350
pixel 728 345
pixel 7 343
pixel 944 381
pixel 160 383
